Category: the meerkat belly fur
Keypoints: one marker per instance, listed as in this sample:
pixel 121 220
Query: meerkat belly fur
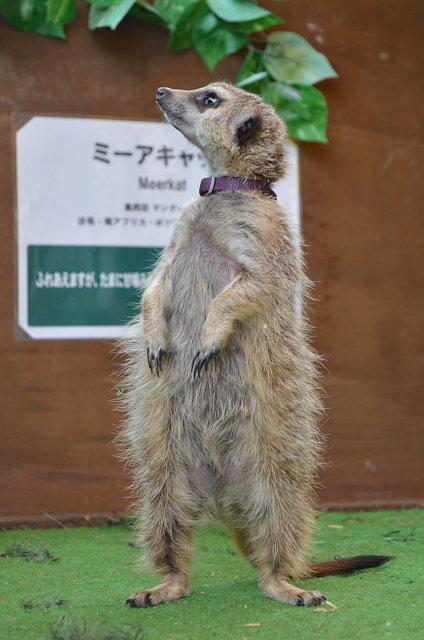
pixel 221 416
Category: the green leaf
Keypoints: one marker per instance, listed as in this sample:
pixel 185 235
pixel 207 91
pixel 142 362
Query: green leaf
pixel 253 26
pixel 31 15
pixel 172 11
pixel 180 37
pixel 142 9
pixel 206 22
pixel 109 16
pixel 213 40
pixel 60 11
pixel 237 10
pixel 253 63
pixel 104 3
pixel 256 77
pixel 303 108
pixel 144 4
pixel 149 14
pixel 252 73
pixel 290 58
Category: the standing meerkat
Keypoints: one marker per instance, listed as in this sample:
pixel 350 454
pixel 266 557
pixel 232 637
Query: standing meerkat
pixel 221 417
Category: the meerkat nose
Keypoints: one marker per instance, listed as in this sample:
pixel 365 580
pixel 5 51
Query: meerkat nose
pixel 161 93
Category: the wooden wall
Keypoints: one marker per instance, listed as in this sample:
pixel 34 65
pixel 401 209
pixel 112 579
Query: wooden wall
pixel 363 224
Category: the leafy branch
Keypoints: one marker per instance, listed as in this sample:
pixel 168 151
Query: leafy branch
pixel 281 66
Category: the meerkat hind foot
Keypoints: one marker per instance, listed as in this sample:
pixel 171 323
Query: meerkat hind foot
pixel 283 591
pixel 164 592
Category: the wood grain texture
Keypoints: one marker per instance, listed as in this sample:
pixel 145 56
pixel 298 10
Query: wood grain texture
pixel 362 219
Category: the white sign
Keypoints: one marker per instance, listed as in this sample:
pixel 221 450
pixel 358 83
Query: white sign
pixel 96 200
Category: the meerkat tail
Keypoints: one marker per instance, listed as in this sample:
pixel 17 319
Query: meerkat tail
pixel 345 565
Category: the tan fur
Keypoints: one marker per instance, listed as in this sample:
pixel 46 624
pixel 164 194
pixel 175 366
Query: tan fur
pixel 239 440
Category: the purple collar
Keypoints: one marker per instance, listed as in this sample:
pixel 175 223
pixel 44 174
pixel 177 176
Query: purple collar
pixel 232 183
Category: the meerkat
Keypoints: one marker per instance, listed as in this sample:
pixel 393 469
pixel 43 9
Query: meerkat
pixel 222 398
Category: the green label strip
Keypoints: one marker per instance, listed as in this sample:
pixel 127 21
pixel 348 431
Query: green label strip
pixel 86 286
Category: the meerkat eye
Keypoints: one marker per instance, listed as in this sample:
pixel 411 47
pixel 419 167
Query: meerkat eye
pixel 207 100
pixel 210 100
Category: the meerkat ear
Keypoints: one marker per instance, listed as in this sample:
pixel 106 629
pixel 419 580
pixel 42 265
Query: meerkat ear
pixel 246 129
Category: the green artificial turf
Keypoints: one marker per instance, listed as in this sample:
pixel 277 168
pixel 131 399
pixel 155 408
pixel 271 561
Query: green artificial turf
pixel 71 584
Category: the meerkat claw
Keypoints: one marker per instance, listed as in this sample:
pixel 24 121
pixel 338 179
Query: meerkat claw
pixel 200 362
pixel 150 359
pixel 155 361
pixel 194 361
pixel 159 357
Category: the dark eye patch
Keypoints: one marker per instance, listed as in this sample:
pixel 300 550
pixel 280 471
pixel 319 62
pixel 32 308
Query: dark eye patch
pixel 207 100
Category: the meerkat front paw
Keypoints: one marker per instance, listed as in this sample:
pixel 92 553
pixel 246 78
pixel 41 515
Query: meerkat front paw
pixel 202 359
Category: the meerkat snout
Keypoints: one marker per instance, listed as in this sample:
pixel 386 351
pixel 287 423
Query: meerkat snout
pixel 161 93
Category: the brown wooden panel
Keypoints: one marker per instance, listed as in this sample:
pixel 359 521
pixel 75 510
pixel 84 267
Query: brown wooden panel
pixel 363 223
pixel 362 204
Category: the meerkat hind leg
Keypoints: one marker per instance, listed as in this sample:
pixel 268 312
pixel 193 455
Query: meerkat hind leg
pixel 276 586
pixel 167 532
pixel 171 558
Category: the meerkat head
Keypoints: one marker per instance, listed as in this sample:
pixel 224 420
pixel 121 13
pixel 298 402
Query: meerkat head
pixel 238 133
